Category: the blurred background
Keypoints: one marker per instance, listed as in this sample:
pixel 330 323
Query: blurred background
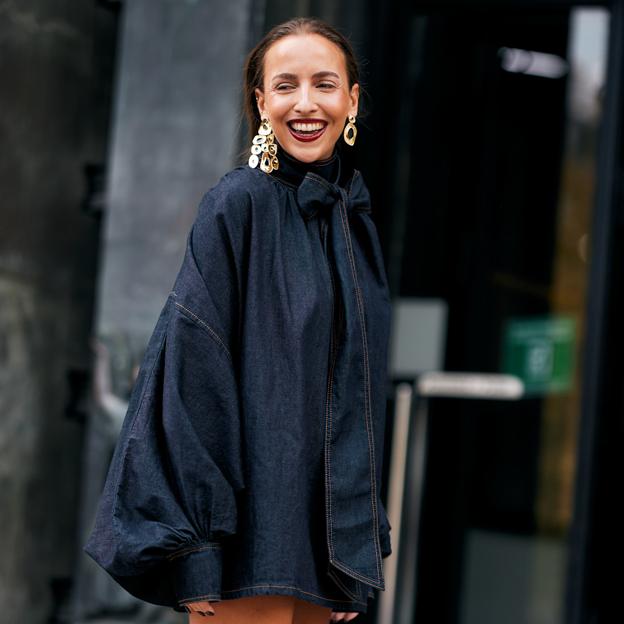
pixel 491 140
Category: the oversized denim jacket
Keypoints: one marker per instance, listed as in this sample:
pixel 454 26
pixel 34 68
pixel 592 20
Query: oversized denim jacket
pixel 249 461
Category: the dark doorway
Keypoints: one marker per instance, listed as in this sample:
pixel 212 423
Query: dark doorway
pixel 493 145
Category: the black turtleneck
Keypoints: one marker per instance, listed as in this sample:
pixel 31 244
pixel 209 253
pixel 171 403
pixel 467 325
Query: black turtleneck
pixel 293 170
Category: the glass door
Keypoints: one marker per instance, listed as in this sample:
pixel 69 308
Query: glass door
pixel 502 124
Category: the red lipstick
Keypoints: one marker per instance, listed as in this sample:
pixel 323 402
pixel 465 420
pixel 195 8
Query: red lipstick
pixel 306 136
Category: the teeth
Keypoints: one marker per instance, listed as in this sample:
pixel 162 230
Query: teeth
pixel 306 127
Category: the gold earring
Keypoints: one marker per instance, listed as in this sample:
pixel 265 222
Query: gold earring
pixel 350 129
pixel 264 148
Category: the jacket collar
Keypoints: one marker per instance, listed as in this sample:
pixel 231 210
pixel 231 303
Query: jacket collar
pixel 315 193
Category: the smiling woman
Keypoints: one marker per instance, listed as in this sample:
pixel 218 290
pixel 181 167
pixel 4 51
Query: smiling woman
pixel 305 83
pixel 245 483
pixel 306 106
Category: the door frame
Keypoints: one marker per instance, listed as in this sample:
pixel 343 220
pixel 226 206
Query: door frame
pixel 598 413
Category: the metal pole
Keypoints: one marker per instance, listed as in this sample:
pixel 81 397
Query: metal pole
pixel 415 480
pixel 398 461
pixel 397 604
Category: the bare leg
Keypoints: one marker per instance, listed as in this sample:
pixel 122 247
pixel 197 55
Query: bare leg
pixel 252 610
pixel 308 613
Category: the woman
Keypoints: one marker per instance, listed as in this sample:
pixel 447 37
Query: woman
pixel 245 482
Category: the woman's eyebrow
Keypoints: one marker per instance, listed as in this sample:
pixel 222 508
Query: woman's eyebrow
pixel 319 74
pixel 285 76
pixel 324 74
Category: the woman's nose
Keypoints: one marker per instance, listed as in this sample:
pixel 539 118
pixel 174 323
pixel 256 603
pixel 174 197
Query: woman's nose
pixel 305 103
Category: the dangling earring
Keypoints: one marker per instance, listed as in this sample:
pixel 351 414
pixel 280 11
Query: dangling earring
pixel 350 128
pixel 264 149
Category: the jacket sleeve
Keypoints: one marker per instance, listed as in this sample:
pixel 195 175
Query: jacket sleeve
pixel 174 481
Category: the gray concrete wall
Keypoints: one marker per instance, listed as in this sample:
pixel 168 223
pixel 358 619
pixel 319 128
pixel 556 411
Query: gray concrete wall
pixel 175 133
pixel 56 62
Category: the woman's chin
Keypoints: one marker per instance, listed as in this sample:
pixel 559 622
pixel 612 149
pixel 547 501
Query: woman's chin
pixel 309 153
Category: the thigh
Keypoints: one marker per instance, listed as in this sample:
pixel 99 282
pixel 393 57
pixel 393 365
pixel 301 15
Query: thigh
pixel 252 609
pixel 308 613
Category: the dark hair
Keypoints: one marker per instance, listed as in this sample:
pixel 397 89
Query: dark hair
pixel 253 72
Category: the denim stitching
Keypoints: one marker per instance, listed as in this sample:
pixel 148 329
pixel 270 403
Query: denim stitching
pixel 213 333
pixel 367 415
pixel 321 180
pixel 347 570
pixel 328 418
pixel 193 549
pixel 229 591
pixel 338 582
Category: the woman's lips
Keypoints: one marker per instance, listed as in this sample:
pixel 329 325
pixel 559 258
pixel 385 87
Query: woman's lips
pixel 307 136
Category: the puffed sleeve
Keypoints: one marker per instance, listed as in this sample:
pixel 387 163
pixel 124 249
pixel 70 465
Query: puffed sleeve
pixel 176 475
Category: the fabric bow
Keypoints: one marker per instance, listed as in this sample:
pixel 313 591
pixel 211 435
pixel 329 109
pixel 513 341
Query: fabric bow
pixel 315 193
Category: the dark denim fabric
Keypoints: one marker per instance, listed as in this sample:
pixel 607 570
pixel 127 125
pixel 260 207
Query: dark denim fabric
pixel 249 461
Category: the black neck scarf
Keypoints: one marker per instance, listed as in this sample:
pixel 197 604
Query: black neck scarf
pixel 293 170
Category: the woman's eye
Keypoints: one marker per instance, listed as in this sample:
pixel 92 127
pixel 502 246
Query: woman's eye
pixel 325 85
pixel 283 87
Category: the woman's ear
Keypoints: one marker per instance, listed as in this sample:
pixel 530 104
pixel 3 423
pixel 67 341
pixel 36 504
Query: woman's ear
pixel 260 101
pixel 354 97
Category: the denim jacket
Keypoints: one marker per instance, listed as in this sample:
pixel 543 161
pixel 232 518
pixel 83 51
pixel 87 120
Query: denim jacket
pixel 249 461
